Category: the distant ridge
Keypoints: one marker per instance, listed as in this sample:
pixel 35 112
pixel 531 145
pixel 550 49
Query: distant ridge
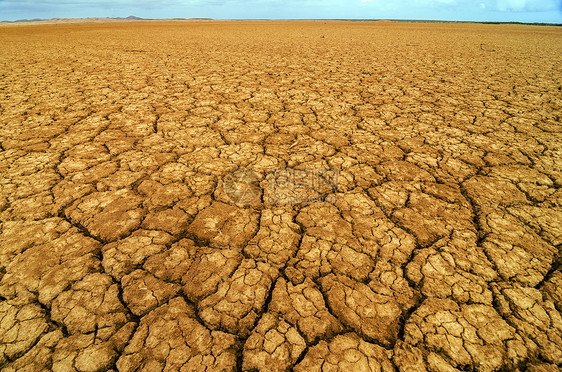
pixel 28 20
pixel 188 19
pixel 46 21
pixel 441 21
pixel 98 20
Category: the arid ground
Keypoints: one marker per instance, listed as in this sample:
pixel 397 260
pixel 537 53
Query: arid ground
pixel 273 196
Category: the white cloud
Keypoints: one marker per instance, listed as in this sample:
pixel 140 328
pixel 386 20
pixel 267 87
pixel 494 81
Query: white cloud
pixel 527 5
pixel 498 5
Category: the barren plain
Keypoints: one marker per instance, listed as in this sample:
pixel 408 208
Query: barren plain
pixel 307 196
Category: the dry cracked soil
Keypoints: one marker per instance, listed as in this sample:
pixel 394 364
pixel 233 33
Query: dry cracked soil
pixel 307 196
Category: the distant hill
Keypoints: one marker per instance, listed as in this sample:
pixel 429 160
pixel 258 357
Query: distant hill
pixel 28 20
pixel 38 21
pixel 191 19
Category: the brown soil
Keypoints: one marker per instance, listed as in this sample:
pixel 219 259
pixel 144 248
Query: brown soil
pixel 280 195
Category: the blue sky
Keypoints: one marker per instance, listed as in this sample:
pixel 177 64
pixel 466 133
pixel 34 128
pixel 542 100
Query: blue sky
pixel 549 11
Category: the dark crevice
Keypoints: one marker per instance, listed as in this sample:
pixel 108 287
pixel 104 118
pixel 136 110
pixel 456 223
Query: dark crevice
pixel 83 230
pixel 300 357
pixel 405 316
pixel 197 240
pixel 556 266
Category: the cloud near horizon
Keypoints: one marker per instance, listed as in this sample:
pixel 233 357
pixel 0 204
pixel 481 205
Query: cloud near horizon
pixel 549 11
pixel 496 5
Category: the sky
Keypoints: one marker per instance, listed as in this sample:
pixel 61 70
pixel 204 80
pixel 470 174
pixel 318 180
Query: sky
pixel 547 11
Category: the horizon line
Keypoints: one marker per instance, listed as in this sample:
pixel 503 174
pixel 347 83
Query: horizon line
pixel 134 18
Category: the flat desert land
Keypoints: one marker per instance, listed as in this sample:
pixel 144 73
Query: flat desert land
pixel 277 196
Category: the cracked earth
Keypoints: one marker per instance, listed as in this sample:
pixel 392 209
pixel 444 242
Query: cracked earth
pixel 127 244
